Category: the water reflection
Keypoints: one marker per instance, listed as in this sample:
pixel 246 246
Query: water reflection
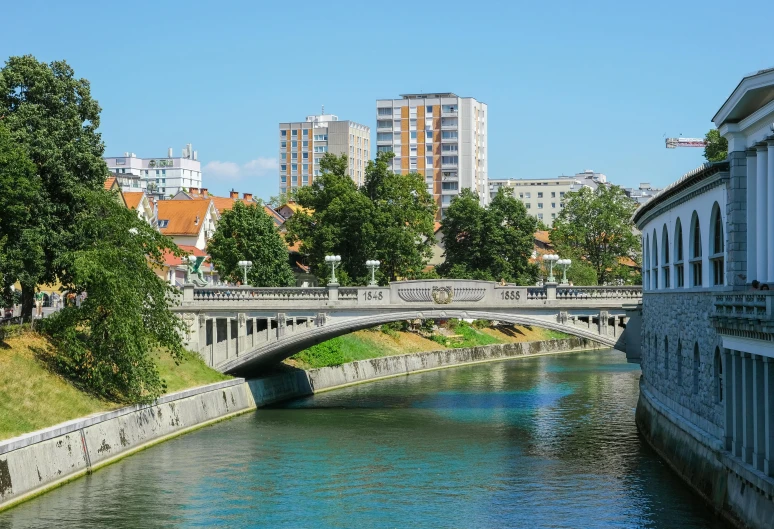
pixel 540 442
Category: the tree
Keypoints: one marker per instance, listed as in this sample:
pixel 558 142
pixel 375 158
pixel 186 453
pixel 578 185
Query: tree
pixel 105 345
pixel 716 148
pixel 595 226
pixel 247 233
pixel 21 241
pixel 51 115
pixel 390 219
pixel 490 243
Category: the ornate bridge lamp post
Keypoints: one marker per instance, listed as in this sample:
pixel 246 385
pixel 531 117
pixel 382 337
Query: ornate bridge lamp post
pixel 245 266
pixel 551 258
pixel 373 265
pixel 565 264
pixel 333 259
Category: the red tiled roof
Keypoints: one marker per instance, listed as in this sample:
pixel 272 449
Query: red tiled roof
pixel 133 199
pixel 109 183
pixel 181 216
pixel 543 236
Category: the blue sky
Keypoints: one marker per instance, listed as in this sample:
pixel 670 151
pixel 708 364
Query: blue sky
pixel 570 85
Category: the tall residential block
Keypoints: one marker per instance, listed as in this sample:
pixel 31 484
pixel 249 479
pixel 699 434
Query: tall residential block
pixel 440 135
pixel 158 177
pixel 303 143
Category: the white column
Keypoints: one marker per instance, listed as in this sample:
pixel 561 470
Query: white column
pixel 759 427
pixel 770 211
pixel 738 397
pixel 768 387
pixel 761 209
pixel 752 243
pixel 728 405
pixel 748 420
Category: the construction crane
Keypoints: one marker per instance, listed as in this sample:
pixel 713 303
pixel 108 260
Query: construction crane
pixel 673 143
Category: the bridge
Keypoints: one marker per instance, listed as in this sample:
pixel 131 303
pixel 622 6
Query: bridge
pixel 236 329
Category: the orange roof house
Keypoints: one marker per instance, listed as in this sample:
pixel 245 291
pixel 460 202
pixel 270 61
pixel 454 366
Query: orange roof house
pixel 111 184
pixel 188 222
pixel 142 203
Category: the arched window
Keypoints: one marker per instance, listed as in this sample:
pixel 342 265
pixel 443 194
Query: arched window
pixel 646 262
pixel 696 359
pixel 665 279
pixel 666 355
pixel 717 246
pixel 679 362
pixel 696 257
pixel 654 258
pixel 679 261
pixel 718 372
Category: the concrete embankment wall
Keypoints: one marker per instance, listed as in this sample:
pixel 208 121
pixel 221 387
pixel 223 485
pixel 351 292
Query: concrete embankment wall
pixel 32 463
pixel 741 496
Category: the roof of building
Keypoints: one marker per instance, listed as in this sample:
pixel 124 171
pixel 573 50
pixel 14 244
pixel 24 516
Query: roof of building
pixel 688 179
pixel 184 217
pixel 171 260
pixel 437 226
pixel 110 182
pixel 133 199
pixel 753 92
pixel 543 236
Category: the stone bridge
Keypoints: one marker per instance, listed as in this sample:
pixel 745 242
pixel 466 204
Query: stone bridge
pixel 236 329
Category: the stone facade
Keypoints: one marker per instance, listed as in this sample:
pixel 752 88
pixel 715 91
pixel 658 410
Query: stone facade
pixel 683 319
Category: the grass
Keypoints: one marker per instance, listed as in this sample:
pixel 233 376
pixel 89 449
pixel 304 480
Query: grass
pixel 32 397
pixel 362 345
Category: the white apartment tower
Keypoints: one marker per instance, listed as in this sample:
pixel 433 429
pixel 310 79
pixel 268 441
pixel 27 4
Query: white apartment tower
pixel 439 135
pixel 157 177
pixel 303 143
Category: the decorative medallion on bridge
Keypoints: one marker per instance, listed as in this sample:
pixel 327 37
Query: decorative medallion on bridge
pixel 442 295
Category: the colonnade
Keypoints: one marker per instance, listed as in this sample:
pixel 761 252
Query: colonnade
pixel 749 408
pixel 760 212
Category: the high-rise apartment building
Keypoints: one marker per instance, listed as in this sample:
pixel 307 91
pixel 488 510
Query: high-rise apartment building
pixel 303 143
pixel 439 135
pixel 157 177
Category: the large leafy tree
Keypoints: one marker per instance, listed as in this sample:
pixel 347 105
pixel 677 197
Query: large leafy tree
pixel 21 241
pixel 491 243
pixel 596 226
pixel 106 344
pixel 390 219
pixel 716 148
pixel 247 233
pixel 51 115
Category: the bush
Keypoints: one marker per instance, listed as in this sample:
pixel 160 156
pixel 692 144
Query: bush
pixel 328 353
pixel 482 324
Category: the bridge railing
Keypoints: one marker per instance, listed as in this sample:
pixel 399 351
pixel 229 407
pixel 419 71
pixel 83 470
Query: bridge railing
pixel 431 292
pixel 745 305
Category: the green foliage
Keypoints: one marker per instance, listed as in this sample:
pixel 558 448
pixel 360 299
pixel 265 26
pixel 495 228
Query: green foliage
pixel 581 273
pixel 490 243
pixel 51 115
pixel 390 219
pixel 106 345
pixel 327 353
pixel 482 324
pixel 466 336
pixel 595 226
pixel 21 227
pixel 716 149
pixel 247 233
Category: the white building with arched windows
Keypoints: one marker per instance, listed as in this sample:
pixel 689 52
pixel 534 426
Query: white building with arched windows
pixel 707 388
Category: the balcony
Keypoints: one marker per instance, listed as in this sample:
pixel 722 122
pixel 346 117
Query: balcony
pixel 449 113
pixel 449 140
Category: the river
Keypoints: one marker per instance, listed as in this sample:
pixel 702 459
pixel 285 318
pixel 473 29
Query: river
pixel 546 441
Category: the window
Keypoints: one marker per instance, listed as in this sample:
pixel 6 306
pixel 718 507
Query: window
pixel 305 155
pixel 383 124
pixel 396 137
pixel 553 194
pixel 294 133
pixel 428 136
pixel 383 148
pixel 383 136
pixel 283 179
pixel 449 147
pixel 679 268
pixel 320 137
pixel 396 125
pixel 449 135
pixel 294 168
pixel 665 251
pixel 413 135
pixel 320 148
pixel 521 196
pixel 428 161
pixel 294 156
pixel 553 215
pixel 283 145
pixel 305 179
pixel 384 111
pixel 553 205
pixel 718 246
pixel 163 223
pixel 305 168
pixel 294 144
pixel 413 150
pixel 654 262
pixel 696 360
pixel 529 206
pixel 528 195
pixel 448 108
pixel 561 194
pixel 449 186
pixel 157 172
pixel 695 251
pixel 540 205
pixel 540 216
pixel 283 133
pixel 429 110
pixel 283 156
pixel 449 160
pixel 540 194
pixel 305 144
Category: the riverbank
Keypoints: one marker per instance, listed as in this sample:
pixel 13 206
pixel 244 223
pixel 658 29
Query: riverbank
pixel 33 396
pixel 34 463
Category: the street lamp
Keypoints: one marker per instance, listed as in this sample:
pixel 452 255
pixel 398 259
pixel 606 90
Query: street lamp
pixel 551 258
pixel 245 266
pixel 373 265
pixel 565 264
pixel 333 259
